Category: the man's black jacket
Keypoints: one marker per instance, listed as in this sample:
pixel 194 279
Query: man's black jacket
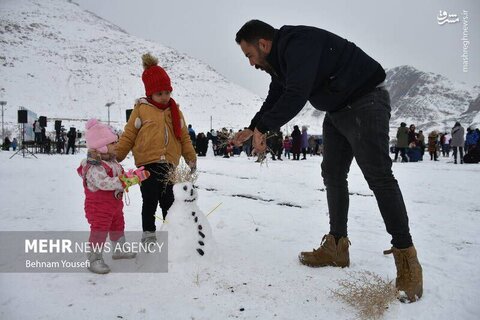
pixel 315 65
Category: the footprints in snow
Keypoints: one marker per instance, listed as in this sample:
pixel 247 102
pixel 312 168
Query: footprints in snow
pixel 247 196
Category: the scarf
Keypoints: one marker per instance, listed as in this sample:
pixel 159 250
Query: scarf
pixel 177 128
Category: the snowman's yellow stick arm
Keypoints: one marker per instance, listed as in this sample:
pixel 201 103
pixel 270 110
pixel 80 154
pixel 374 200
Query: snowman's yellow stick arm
pixel 157 217
pixel 214 209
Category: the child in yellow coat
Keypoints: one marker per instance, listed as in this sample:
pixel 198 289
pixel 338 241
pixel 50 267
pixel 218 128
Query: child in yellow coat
pixel 157 135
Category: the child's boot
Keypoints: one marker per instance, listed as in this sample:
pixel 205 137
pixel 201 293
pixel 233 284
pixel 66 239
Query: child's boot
pixel 148 237
pixel 119 250
pixel 97 265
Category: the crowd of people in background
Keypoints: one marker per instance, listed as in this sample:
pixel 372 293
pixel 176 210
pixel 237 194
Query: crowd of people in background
pixel 411 145
pixel 280 146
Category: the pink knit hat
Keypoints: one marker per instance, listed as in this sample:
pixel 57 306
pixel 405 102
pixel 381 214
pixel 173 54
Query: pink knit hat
pixel 98 135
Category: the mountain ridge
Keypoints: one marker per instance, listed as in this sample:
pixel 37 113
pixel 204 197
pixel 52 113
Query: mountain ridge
pixel 62 61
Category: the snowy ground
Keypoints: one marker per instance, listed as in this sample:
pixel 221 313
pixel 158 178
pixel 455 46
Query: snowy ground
pixel 258 275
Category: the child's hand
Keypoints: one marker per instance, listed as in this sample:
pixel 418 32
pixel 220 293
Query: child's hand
pixel 141 173
pixel 128 182
pixel 133 177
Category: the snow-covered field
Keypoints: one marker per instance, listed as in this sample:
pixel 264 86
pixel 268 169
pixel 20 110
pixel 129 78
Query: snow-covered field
pixel 257 275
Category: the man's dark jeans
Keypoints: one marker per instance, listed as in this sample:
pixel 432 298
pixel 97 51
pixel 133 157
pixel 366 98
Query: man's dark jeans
pixel 361 130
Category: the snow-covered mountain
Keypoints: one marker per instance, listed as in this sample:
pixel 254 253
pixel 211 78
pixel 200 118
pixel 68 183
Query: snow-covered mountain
pixel 428 100
pixel 472 115
pixel 61 61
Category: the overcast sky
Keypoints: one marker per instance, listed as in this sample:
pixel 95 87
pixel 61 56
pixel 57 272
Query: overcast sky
pixel 394 32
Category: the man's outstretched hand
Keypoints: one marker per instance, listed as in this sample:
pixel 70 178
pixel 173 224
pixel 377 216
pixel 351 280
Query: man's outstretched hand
pixel 242 136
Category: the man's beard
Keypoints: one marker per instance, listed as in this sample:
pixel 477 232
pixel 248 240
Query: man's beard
pixel 264 66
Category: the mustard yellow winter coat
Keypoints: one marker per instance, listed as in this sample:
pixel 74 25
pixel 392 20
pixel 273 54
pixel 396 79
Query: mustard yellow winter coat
pixel 149 134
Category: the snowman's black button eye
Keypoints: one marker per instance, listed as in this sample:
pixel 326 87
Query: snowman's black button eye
pixel 185 188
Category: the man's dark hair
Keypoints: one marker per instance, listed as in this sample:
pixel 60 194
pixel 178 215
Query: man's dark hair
pixel 254 30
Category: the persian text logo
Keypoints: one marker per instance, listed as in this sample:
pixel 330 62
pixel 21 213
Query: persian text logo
pixel 465 41
pixel 443 17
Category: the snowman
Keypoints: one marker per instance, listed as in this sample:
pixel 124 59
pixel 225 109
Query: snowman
pixel 189 232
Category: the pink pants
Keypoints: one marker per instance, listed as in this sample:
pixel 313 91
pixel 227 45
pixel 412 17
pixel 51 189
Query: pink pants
pixel 105 215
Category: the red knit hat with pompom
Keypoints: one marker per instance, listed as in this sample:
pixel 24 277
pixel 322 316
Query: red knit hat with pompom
pixel 154 77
